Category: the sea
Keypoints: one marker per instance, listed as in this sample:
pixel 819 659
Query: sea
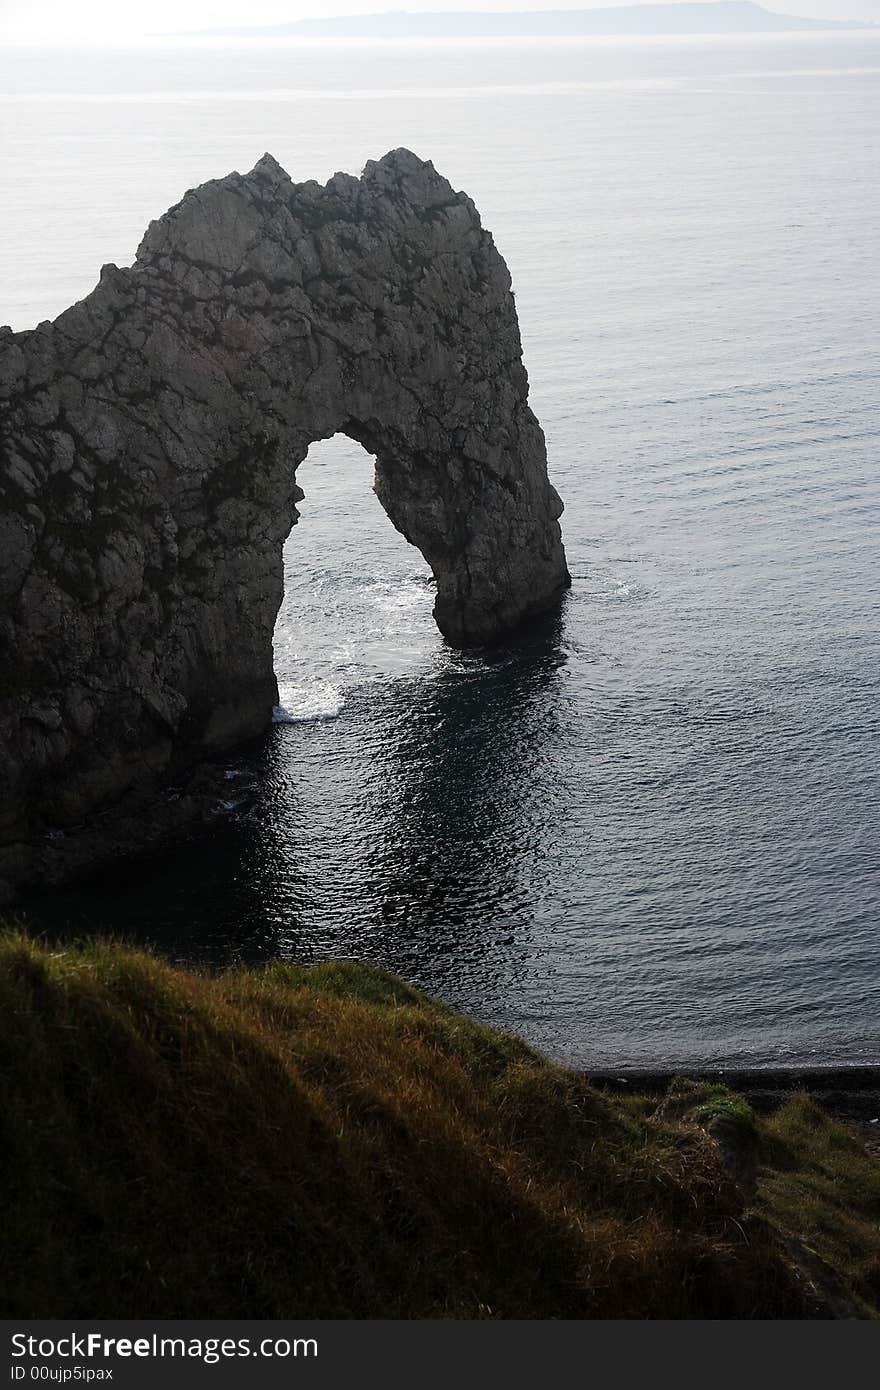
pixel 646 832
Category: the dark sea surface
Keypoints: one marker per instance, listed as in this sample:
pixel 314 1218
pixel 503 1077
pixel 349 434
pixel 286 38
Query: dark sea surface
pixel 647 832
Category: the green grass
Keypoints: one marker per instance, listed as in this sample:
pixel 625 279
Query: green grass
pixel 328 1142
pixel 822 1189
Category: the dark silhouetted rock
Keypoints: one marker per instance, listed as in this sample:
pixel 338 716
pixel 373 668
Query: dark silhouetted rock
pixel 150 440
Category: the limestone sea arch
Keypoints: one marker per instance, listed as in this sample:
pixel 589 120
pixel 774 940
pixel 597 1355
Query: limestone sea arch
pixel 149 440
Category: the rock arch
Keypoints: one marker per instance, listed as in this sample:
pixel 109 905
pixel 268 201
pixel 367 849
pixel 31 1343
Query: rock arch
pixel 150 439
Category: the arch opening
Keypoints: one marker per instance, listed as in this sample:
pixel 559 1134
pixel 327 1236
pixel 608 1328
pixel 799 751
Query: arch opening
pixel 358 596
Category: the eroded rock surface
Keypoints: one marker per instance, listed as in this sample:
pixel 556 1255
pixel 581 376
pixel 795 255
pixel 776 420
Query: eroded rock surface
pixel 150 439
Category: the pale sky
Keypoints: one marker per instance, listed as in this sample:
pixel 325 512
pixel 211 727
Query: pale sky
pixel 57 19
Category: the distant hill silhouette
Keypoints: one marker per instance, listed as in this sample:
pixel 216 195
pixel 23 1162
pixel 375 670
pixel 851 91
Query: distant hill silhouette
pixel 721 17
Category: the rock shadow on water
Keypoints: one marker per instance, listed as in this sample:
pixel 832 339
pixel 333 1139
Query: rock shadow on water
pixel 206 901
pixel 458 825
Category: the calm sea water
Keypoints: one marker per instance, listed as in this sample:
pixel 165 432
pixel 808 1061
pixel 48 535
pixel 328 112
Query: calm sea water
pixel 648 833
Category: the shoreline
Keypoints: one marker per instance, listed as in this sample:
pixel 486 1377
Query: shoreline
pixel 850 1094
pixel 857 1077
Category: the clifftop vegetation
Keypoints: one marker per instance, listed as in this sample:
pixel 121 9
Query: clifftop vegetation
pixel 328 1142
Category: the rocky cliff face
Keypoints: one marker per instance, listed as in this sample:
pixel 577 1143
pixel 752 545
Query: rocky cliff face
pixel 150 439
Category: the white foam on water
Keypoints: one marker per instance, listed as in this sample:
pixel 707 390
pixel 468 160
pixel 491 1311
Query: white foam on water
pixel 316 700
pixel 607 586
pixel 401 607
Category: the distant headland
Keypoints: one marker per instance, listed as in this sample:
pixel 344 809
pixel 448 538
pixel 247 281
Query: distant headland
pixel 703 17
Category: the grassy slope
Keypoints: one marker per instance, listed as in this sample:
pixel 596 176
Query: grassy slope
pixel 330 1143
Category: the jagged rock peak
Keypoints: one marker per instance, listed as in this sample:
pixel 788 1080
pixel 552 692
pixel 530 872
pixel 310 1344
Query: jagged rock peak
pixel 267 167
